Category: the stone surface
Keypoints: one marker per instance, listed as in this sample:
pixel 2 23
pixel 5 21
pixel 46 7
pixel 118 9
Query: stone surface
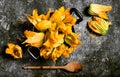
pixel 99 54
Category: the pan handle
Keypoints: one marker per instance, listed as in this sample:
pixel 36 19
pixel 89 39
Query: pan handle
pixel 77 13
pixel 33 52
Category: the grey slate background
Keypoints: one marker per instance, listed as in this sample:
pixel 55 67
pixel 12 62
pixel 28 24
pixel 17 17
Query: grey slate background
pixel 99 54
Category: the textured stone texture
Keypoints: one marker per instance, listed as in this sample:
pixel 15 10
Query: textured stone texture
pixel 99 54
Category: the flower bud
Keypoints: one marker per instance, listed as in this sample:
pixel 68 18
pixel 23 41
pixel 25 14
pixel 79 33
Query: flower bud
pixel 99 10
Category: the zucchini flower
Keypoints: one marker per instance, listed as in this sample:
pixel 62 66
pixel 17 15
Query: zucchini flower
pixel 67 51
pixel 53 39
pixel 35 18
pixel 33 38
pixel 72 40
pixel 14 50
pixel 57 52
pixel 40 22
pixel 69 18
pixel 99 10
pixel 46 52
pixel 99 25
pixel 57 28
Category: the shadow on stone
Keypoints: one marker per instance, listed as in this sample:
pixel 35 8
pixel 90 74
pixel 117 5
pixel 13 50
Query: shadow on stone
pixel 86 11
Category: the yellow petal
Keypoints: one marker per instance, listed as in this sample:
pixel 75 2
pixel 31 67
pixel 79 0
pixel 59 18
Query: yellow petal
pixel 48 14
pixel 103 15
pixel 53 26
pixel 29 33
pixel 35 13
pixel 31 19
pixel 14 50
pixel 34 19
pixel 44 16
pixel 36 40
pixel 56 17
pixel 43 25
pixel 41 17
pixel 60 40
pixel 62 12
